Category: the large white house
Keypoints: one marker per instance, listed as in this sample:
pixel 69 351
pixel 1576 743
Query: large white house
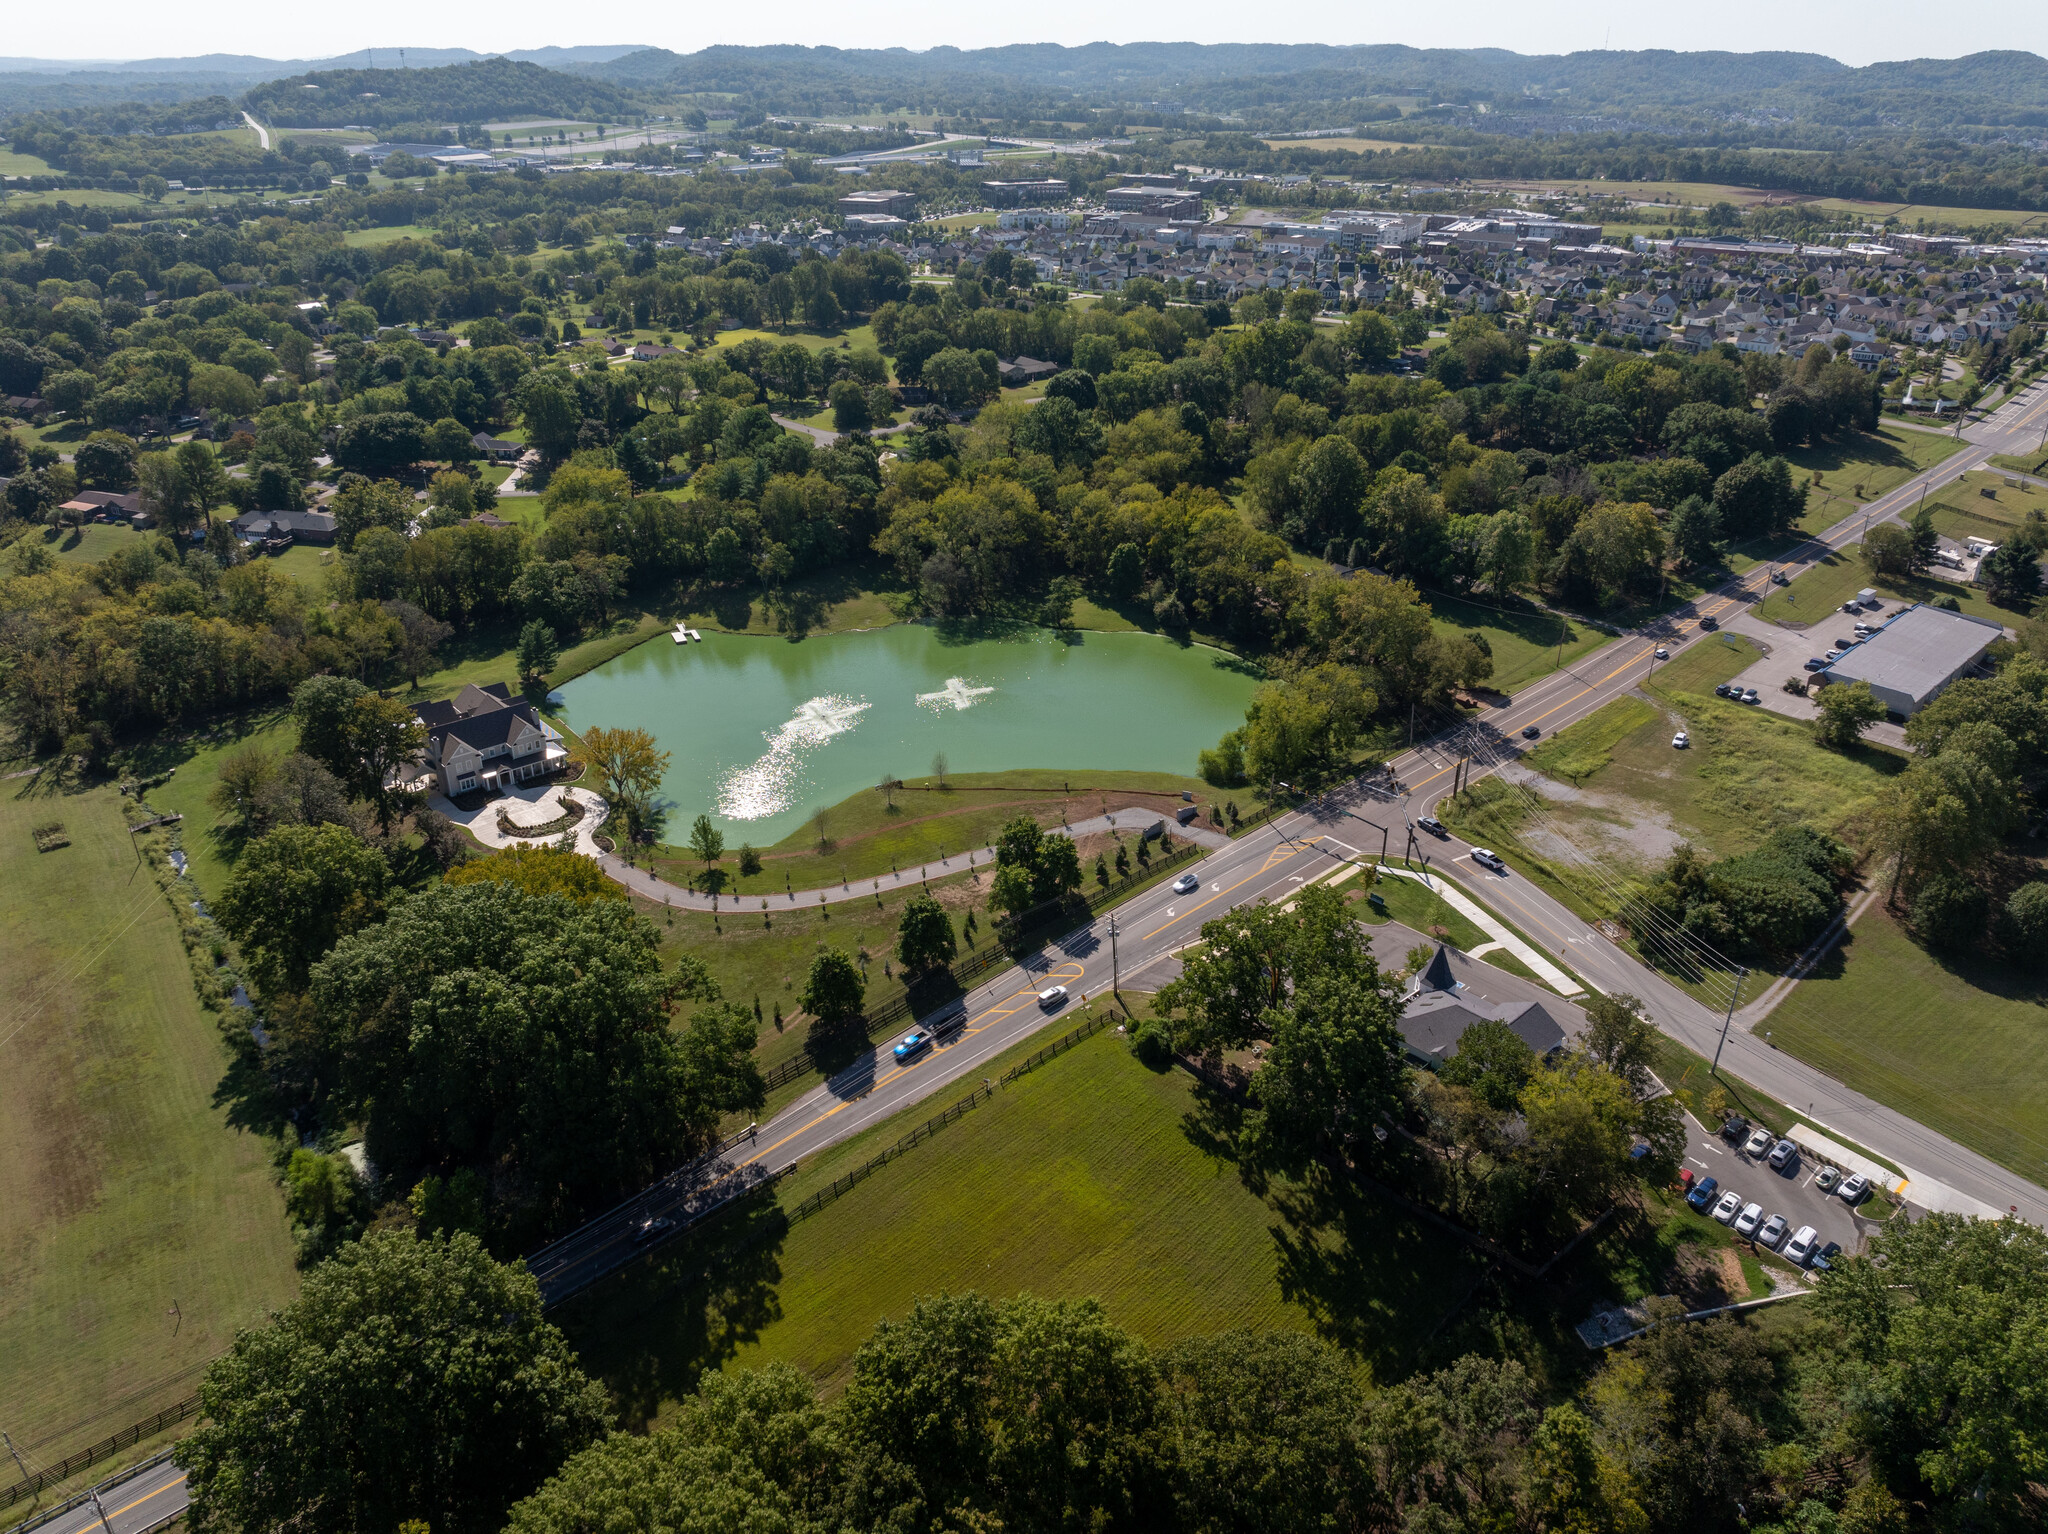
pixel 484 738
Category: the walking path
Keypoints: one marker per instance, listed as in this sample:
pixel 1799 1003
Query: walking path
pixel 1487 922
pixel 652 887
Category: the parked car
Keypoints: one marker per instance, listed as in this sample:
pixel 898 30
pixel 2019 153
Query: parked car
pixel 1680 741
pixel 1734 1128
pixel 1773 1231
pixel 1749 695
pixel 1186 884
pixel 1800 1247
pixel 1530 732
pixel 1052 1000
pixel 1783 1154
pixel 1432 825
pixel 1729 1206
pixel 1702 1195
pixel 1816 663
pixel 913 1044
pixel 1824 1259
pixel 1486 859
pixel 1751 1217
pixel 652 1230
pixel 1759 1142
pixel 1723 690
pixel 1853 1187
pixel 1827 1177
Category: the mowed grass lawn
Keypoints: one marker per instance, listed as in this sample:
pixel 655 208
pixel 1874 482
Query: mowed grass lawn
pixel 1861 466
pixel 1090 1177
pixel 1525 644
pixel 128 1193
pixel 1817 596
pixel 1960 1045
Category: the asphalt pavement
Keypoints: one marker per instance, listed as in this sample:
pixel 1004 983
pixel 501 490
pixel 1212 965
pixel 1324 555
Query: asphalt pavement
pixel 133 1506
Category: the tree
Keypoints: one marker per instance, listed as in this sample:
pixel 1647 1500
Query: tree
pixel 1582 1123
pixel 1329 483
pixel 384 738
pixel 849 407
pixel 239 783
pixel 1757 497
pixel 628 768
pixel 1333 1067
pixel 537 653
pixel 1695 531
pixel 293 894
pixel 706 840
pixel 2011 574
pixel 1926 538
pixel 1846 711
pixel 2024 925
pixel 539 871
pixel 1575 1487
pixel 390 1390
pixel 106 461
pixel 924 934
pixel 1031 867
pixel 381 444
pixel 539 1048
pixel 835 988
pixel 361 504
pixel 321 706
pixel 1889 551
pixel 1492 1063
pixel 422 634
pixel 551 412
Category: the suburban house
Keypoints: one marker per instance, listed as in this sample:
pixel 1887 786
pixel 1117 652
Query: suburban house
pixel 1019 371
pixel 497 449
pixel 1439 1008
pixel 484 738
pixel 284 527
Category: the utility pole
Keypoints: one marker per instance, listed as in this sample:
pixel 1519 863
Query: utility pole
pixel 1114 978
pixel 101 1508
pixel 18 1465
pixel 1741 975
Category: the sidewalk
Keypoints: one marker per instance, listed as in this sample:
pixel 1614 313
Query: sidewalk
pixel 1501 936
pixel 651 887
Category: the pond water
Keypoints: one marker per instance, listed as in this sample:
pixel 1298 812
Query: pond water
pixel 761 731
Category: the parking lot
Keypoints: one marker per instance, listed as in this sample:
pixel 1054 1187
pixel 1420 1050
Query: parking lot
pixel 1789 1191
pixel 1785 654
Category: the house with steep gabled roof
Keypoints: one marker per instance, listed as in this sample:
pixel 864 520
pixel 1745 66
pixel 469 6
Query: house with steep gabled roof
pixel 485 739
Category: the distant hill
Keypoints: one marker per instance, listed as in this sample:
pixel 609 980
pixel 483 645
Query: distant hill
pixel 486 90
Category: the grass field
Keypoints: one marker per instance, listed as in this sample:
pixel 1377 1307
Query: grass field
pixel 1091 1176
pixel 13 164
pixel 1862 466
pixel 386 234
pixel 1350 145
pixel 929 824
pixel 1748 772
pixel 128 1192
pixel 1817 596
pixel 1959 1045
pixel 1524 642
pixel 2021 463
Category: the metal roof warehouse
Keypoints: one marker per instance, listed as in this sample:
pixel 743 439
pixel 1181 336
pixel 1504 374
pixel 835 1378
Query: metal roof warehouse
pixel 1914 656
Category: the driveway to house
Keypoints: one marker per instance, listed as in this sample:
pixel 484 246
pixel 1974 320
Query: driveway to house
pixel 531 804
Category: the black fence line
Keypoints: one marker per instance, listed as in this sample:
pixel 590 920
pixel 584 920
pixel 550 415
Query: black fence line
pixel 840 1186
pixel 71 1464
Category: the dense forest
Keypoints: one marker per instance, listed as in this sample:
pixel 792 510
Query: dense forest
pixel 485 91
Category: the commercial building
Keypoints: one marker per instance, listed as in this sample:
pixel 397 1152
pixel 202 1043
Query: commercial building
pixel 1016 194
pixel 1153 202
pixel 1914 656
pixel 893 204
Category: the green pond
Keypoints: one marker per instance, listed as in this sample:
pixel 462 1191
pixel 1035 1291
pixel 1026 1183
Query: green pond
pixel 761 731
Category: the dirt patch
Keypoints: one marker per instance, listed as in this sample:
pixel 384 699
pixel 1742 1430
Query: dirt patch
pixel 1610 826
pixel 1704 1277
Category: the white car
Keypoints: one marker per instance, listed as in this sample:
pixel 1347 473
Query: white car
pixel 1186 884
pixel 1487 859
pixel 1053 999
pixel 1751 1217
pixel 1773 1231
pixel 1759 1143
pixel 1853 1187
pixel 1661 653
pixel 1729 1207
pixel 1680 741
pixel 1800 1247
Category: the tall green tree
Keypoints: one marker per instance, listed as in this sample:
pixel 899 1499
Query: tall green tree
pixel 924 934
pixel 293 894
pixel 412 1381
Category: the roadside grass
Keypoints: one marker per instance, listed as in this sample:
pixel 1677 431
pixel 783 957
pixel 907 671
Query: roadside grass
pixel 1091 1177
pixel 1818 595
pixel 1524 642
pixel 935 828
pixel 1960 1045
pixel 1861 466
pixel 2021 463
pixel 1416 907
pixel 1985 505
pixel 1578 751
pixel 130 1191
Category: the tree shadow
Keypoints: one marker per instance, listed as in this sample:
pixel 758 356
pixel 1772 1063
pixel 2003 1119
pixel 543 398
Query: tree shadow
pixel 836 1043
pixel 245 1093
pixel 650 1332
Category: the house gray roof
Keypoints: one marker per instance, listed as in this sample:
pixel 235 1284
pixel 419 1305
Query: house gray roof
pixel 260 524
pixel 1919 652
pixel 1440 1008
pixel 477 717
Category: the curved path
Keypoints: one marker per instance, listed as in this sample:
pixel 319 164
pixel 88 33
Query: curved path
pixel 1130 817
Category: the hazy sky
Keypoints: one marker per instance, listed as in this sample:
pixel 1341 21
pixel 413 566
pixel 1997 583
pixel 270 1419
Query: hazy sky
pixel 1854 31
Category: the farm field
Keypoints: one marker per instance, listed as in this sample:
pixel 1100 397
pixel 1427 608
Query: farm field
pixel 1090 1176
pixel 1960 1045
pixel 140 1227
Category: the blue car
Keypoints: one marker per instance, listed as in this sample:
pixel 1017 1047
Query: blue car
pixel 1702 1193
pixel 1815 663
pixel 913 1044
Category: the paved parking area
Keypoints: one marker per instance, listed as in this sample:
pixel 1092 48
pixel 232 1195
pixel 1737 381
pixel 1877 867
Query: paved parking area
pixel 1787 655
pixel 1789 1192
